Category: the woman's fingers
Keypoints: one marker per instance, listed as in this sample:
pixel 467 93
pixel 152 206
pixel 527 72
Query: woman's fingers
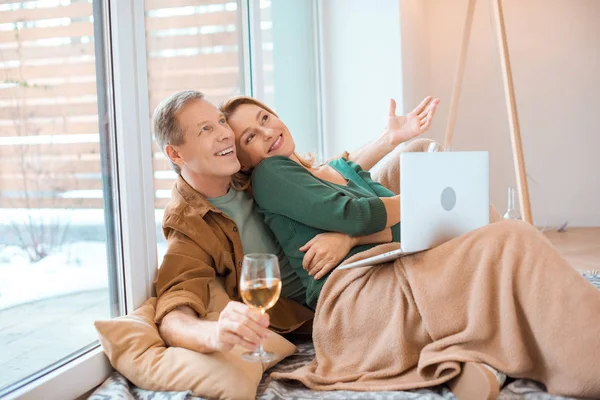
pixel 425 126
pixel 425 112
pixel 434 106
pixel 318 265
pixel 325 270
pixel 426 122
pixel 423 105
pixel 308 244
pixel 430 109
pixel 308 259
pixel 392 110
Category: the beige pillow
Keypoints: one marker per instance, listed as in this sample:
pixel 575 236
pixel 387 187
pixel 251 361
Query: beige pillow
pixel 135 349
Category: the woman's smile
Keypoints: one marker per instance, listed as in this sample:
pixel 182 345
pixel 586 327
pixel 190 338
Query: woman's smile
pixel 277 144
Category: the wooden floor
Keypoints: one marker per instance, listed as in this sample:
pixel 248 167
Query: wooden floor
pixel 580 246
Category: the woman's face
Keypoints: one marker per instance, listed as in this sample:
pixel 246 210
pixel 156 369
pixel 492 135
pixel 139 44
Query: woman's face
pixel 259 135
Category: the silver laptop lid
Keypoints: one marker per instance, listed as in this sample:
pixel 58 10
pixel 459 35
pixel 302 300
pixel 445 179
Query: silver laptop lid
pixel 443 195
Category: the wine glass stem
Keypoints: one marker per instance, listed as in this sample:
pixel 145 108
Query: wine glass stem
pixel 260 349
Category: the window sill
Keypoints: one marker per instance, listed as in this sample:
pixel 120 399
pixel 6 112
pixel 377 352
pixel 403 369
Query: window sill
pixel 69 381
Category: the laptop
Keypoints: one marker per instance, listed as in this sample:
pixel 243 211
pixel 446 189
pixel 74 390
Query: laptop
pixel 443 195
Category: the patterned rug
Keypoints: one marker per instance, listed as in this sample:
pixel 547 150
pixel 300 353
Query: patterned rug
pixel 117 387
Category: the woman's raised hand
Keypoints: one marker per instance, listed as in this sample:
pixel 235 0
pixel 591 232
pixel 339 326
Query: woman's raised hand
pixel 401 128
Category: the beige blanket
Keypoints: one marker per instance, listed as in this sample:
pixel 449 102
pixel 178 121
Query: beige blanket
pixel 500 295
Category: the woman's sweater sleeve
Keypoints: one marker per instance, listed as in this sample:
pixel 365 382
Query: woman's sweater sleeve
pixel 379 190
pixel 283 187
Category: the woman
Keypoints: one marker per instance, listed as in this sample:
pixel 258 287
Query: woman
pixel 469 300
pixel 372 204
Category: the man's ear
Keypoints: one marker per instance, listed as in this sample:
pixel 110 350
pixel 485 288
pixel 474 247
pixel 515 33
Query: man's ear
pixel 173 154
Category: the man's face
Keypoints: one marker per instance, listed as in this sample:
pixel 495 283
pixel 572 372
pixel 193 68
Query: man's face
pixel 209 146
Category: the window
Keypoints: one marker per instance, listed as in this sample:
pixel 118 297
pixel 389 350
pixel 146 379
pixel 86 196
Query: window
pixel 58 262
pixel 225 48
pixel 190 45
pixel 82 185
pixel 285 57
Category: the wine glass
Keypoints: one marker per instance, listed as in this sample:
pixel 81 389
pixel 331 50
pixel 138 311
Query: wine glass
pixel 511 212
pixel 260 286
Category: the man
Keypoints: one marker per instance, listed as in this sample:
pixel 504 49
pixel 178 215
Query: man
pixel 204 242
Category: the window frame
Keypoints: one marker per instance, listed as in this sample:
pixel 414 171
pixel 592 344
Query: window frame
pixel 134 151
pixel 320 68
pixel 252 48
pixel 69 381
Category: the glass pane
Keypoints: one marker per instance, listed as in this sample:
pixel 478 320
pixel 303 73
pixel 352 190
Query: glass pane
pixel 191 44
pixel 288 56
pixel 54 267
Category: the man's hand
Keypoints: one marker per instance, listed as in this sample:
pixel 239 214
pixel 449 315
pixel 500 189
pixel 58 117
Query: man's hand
pixel 325 251
pixel 402 128
pixel 241 325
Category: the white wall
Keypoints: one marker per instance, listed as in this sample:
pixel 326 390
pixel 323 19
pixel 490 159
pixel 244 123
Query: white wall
pixel 554 47
pixel 361 71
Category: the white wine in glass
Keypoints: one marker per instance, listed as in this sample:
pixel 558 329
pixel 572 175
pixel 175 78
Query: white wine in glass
pixel 260 287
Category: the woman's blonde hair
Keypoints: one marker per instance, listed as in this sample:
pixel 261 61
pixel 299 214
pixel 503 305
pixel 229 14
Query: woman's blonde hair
pixel 242 179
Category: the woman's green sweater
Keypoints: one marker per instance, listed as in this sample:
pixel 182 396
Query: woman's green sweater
pixel 297 206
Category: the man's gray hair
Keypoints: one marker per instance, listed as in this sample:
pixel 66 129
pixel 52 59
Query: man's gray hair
pixel 166 126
